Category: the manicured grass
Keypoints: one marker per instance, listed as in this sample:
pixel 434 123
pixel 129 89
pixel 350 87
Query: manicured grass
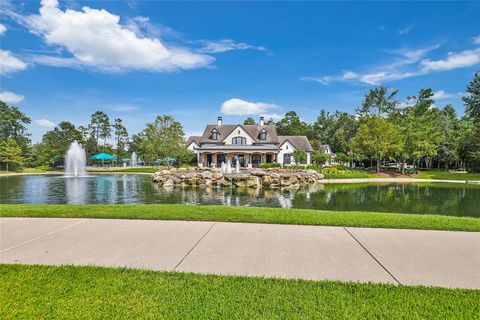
pixel 43 292
pixel 244 214
pixel 141 170
pixel 348 174
pixel 445 175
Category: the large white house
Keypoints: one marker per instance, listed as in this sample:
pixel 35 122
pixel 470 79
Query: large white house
pixel 251 145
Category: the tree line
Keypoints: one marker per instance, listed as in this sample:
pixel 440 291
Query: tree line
pixel 416 132
pixel 382 129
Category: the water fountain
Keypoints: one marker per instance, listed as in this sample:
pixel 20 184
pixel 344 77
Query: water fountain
pixel 229 167
pixel 223 168
pixel 133 159
pixel 237 167
pixel 75 161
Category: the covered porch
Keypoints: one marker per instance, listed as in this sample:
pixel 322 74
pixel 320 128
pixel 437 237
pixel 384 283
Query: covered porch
pixel 245 159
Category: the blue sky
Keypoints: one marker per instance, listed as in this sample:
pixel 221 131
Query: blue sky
pixel 198 60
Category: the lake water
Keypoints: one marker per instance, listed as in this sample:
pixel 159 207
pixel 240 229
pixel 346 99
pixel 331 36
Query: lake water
pixel 437 198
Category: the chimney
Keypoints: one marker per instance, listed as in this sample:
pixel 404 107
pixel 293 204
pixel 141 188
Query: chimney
pixel 262 121
pixel 219 121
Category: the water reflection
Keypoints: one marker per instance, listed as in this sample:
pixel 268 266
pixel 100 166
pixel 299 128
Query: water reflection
pixel 440 198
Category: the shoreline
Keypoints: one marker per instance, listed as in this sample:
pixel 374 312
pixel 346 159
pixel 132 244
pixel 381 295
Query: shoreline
pixel 324 181
pixel 398 180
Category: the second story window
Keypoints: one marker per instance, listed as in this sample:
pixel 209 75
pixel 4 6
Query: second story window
pixel 239 140
pixel 263 135
pixel 214 135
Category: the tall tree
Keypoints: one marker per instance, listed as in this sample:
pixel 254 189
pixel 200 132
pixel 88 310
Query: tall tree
pixel 472 112
pixel 13 125
pixel 55 142
pixel 99 127
pixel 472 99
pixel 292 125
pixel 377 138
pixel 10 154
pixel 379 101
pixel 337 130
pixel 161 138
pixel 249 121
pixel 121 137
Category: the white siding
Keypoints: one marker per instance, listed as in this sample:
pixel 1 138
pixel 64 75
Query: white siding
pixel 286 147
pixel 239 132
pixel 192 145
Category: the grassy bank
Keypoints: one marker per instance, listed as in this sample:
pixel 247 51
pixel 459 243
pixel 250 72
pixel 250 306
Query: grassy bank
pixel 445 175
pixel 244 214
pixel 37 292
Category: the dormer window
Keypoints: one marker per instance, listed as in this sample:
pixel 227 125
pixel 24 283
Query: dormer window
pixel 263 135
pixel 214 135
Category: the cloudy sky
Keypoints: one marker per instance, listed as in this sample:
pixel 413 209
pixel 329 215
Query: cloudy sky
pixel 63 60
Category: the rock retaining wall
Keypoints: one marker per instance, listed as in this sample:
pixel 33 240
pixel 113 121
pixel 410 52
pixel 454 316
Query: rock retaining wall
pixel 251 178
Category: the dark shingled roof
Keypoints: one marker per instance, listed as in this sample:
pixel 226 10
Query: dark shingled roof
pixel 299 142
pixel 252 130
pixel 193 138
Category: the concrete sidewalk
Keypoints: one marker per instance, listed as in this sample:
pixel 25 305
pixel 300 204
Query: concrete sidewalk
pixel 410 257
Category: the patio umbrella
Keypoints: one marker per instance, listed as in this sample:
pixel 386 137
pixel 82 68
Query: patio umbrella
pixel 103 156
pixel 169 160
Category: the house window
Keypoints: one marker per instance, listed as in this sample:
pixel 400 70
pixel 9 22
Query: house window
pixel 263 135
pixel 286 147
pixel 214 135
pixel 239 140
pixel 287 159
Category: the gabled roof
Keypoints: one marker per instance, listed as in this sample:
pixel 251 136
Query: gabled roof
pixel 298 142
pixel 195 139
pixel 252 130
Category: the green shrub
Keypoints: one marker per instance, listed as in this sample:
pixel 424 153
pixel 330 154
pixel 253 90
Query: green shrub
pixel 270 165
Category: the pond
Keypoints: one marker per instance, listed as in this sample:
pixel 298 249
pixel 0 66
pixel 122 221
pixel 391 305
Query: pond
pixel 436 198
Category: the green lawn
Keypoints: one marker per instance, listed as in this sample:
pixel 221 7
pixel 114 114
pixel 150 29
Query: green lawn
pixel 444 175
pixel 42 292
pixel 347 174
pixel 244 214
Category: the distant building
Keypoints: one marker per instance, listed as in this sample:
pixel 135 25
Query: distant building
pixel 251 145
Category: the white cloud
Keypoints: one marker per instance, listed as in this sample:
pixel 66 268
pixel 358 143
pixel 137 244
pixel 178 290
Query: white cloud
pixel 272 116
pixel 407 63
pixel 441 94
pixel 3 29
pixel 349 75
pixel 9 63
pixel 242 107
pixel 125 107
pixel 454 60
pixel 476 40
pixel 11 97
pixel 225 45
pixel 96 39
pixel 44 123
pixel 405 30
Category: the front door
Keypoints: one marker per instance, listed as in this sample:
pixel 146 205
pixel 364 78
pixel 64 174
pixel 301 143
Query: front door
pixel 220 159
pixel 269 158
pixel 209 160
pixel 256 160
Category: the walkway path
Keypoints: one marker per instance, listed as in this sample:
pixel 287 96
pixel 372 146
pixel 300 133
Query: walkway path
pixel 410 257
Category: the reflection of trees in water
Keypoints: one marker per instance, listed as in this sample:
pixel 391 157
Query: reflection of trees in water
pixel 405 198
pixel 450 199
